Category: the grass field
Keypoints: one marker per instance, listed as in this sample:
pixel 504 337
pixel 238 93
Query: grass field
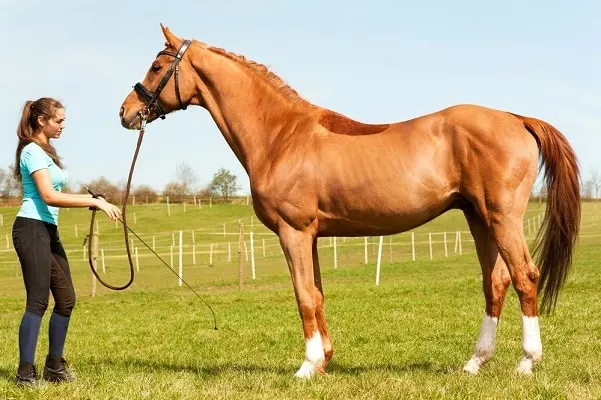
pixel 408 337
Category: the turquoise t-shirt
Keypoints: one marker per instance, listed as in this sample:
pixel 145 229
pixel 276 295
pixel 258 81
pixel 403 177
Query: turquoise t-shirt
pixel 34 158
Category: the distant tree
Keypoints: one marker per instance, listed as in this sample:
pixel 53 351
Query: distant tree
pixel 542 193
pixel 595 183
pixel 10 185
pixel 2 177
pixel 186 177
pixel 67 188
pixel 205 191
pixel 225 183
pixel 145 193
pixel 122 186
pixel 174 189
pixel 103 186
pixel 587 190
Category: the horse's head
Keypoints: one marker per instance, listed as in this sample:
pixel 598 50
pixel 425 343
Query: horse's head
pixel 169 85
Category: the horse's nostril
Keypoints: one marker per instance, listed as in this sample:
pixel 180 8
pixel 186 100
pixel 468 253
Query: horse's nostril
pixel 121 111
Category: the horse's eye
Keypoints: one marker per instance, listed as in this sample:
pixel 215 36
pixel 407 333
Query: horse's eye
pixel 156 67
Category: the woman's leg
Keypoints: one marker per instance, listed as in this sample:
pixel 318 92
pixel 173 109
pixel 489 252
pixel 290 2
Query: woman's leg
pixel 63 292
pixel 32 244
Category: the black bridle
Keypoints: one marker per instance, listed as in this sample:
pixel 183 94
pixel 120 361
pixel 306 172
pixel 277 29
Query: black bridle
pixel 152 97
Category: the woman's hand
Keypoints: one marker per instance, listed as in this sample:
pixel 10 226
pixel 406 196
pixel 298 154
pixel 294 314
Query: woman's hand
pixel 109 209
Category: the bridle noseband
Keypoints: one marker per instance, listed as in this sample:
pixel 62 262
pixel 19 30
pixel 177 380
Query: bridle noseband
pixel 152 98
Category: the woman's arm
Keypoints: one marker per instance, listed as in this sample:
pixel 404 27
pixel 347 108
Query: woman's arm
pixel 43 182
pixel 55 198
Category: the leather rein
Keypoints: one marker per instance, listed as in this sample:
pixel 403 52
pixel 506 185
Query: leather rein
pixel 152 99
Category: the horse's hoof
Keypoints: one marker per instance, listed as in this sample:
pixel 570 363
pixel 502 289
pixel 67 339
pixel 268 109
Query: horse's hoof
pixel 306 371
pixel 524 367
pixel 472 367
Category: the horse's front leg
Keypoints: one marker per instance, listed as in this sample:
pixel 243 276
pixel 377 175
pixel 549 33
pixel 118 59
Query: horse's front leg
pixel 297 246
pixel 320 312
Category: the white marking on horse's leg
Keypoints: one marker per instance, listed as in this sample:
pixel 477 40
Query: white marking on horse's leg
pixel 484 346
pixel 532 346
pixel 314 357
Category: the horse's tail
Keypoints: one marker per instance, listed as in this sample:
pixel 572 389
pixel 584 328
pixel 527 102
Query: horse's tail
pixel 555 241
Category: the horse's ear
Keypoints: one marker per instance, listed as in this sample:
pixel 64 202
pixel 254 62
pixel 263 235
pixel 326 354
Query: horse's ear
pixel 173 40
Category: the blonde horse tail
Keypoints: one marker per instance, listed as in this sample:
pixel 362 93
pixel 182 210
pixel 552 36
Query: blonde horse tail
pixel 555 241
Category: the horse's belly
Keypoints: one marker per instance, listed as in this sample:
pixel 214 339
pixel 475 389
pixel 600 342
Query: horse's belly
pixel 373 213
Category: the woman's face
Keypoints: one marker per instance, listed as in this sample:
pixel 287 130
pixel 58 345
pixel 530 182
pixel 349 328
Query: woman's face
pixel 53 127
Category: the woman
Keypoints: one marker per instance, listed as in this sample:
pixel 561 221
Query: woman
pixel 36 239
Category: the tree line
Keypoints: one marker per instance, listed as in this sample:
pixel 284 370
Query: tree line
pixel 223 184
pixel 590 189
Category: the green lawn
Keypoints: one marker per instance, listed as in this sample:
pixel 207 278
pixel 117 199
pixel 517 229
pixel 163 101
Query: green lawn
pixel 408 337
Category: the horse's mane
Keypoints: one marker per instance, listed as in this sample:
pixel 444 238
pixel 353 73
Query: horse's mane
pixel 262 71
pixel 330 120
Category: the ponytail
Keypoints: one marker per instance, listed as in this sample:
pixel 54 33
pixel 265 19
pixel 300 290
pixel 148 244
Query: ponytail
pixel 44 107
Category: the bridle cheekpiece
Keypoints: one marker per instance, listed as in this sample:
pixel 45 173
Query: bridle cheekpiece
pixel 152 97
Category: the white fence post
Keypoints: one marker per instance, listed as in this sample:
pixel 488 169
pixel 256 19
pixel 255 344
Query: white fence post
pixel 446 253
pixel 181 264
pixel 252 254
pixel 379 260
pixel 413 245
pixel 430 243
pixel 335 255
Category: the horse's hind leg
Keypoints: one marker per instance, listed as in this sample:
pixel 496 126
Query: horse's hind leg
pixel 320 314
pixel 508 231
pixel 495 281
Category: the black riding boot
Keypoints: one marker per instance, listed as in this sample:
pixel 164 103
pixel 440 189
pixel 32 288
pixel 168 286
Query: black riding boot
pixel 56 370
pixel 26 375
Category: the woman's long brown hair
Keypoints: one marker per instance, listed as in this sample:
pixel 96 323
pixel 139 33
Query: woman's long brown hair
pixel 44 107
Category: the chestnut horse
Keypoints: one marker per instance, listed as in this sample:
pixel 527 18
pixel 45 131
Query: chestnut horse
pixel 314 173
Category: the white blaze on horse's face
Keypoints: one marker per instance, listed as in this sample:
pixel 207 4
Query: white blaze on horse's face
pixel 314 357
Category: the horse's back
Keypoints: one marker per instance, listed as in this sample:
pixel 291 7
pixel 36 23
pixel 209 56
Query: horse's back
pixel 471 128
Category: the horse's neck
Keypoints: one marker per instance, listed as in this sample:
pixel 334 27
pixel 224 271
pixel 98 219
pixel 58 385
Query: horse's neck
pixel 249 112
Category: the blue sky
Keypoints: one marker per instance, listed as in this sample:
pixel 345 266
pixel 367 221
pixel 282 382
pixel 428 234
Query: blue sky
pixel 376 61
